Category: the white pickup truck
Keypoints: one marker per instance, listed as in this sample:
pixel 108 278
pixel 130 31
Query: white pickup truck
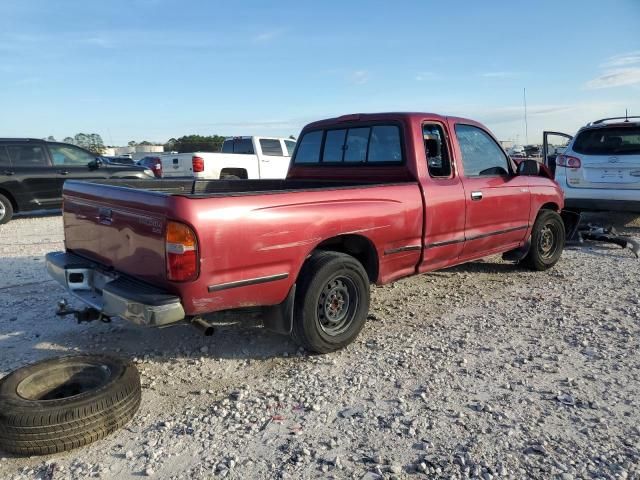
pixel 240 158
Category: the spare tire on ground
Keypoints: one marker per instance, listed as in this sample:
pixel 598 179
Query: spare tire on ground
pixel 66 402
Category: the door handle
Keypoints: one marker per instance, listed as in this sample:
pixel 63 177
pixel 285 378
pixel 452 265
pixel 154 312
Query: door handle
pixel 8 172
pixel 476 195
pixel 63 172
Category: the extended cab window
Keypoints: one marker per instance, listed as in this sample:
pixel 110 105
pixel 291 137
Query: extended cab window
pixel 271 147
pixel 435 149
pixel 375 144
pixel 70 155
pixel 27 156
pixel 4 157
pixel 480 154
pixel 238 145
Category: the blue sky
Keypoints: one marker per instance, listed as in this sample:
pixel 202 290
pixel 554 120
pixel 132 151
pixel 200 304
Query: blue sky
pixel 155 69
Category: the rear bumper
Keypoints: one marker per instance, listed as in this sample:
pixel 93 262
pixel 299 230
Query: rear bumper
pixel 112 294
pixel 601 205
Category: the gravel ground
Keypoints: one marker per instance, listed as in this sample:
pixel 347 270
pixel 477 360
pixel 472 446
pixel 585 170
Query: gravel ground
pixel 482 371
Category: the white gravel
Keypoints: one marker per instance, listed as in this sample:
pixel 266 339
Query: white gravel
pixel 481 371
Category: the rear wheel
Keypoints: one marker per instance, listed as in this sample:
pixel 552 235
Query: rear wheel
pixel 6 209
pixel 332 301
pixel 547 241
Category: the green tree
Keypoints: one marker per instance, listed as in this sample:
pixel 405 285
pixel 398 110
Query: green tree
pixel 90 141
pixel 198 143
pixel 51 138
pixel 68 140
pixel 132 143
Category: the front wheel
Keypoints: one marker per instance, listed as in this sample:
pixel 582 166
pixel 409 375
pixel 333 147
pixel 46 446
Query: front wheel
pixel 6 209
pixel 547 241
pixel 332 301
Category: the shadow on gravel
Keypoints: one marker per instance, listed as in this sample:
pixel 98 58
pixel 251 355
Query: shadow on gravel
pixel 39 213
pixel 30 330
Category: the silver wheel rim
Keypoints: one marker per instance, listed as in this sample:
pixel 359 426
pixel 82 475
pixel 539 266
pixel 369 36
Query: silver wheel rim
pixel 3 210
pixel 547 244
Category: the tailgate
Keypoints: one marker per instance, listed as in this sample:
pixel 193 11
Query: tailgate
pixel 118 227
pixel 621 172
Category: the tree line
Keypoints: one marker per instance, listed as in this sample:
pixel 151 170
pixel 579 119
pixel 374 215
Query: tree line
pixel 187 143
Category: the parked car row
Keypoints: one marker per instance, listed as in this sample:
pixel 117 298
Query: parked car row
pixel 240 158
pixel 32 173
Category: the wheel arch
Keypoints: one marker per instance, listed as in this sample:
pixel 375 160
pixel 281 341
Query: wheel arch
pixel 238 172
pixel 358 246
pixel 11 198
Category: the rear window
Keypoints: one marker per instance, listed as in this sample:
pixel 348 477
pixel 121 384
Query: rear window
pixel 271 147
pixel 608 141
pixel 238 145
pixel 375 144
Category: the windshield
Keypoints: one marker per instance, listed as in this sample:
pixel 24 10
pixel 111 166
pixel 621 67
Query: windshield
pixel 608 141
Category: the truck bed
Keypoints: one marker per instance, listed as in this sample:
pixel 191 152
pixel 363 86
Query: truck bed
pixel 246 229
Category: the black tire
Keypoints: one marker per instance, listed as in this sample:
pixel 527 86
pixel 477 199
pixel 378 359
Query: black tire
pixel 332 301
pixel 6 209
pixel 547 241
pixel 65 403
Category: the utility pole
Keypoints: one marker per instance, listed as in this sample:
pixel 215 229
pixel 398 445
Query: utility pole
pixel 526 127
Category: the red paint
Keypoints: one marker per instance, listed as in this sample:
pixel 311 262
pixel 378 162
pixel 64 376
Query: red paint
pixel 252 236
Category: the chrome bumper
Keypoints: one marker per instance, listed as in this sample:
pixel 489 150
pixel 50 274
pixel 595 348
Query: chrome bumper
pixel 112 294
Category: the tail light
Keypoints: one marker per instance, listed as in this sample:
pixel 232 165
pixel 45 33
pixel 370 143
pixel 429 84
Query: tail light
pixel 182 252
pixel 198 164
pixel 568 161
pixel 157 167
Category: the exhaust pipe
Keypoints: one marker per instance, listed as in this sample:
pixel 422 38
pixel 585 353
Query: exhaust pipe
pixel 205 327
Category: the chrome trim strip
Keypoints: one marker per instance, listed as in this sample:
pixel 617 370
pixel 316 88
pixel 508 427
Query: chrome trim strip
pixel 250 281
pixel 407 248
pixel 476 237
pixel 498 232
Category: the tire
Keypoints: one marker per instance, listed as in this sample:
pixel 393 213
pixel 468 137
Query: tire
pixel 547 241
pixel 332 302
pixel 230 177
pixel 6 209
pixel 65 403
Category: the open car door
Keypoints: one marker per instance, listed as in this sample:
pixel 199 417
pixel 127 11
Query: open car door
pixel 553 144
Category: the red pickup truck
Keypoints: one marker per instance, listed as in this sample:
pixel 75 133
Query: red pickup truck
pixel 369 198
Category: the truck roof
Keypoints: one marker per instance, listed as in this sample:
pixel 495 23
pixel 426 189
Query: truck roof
pixel 404 116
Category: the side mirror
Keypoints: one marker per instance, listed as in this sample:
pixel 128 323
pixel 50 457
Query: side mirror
pixel 95 164
pixel 528 167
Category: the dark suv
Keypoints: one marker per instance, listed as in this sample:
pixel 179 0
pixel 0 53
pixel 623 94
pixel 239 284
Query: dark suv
pixel 33 171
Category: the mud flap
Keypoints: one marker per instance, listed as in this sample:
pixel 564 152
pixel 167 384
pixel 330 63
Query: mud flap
pixel 571 222
pixel 279 318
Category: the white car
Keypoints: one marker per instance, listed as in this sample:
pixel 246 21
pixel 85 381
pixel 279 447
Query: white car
pixel 600 167
pixel 240 158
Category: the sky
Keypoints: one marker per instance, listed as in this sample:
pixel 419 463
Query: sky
pixel 156 69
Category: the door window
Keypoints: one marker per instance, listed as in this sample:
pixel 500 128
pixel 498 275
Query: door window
pixel 481 156
pixel 291 146
pixel 271 147
pixel 27 156
pixel 436 152
pixel 4 157
pixel 70 155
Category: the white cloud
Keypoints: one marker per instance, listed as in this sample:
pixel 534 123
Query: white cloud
pixel 267 36
pixel 359 77
pixel 423 76
pixel 615 78
pixel 499 74
pixel 622 60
